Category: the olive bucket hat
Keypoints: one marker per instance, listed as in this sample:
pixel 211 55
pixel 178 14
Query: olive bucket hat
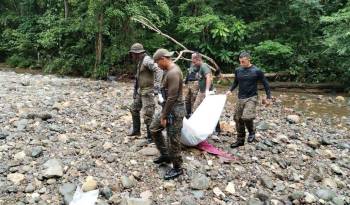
pixel 137 48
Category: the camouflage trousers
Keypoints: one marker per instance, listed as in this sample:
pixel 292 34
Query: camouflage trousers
pixel 245 113
pixel 144 101
pixel 172 146
pixel 191 90
pixel 199 99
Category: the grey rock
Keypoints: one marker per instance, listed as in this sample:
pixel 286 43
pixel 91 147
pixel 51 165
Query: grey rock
pixel 267 182
pixel 336 169
pixel 254 201
pixel 200 182
pixel 198 194
pixel 107 192
pixel 297 195
pixel 309 198
pixel 127 182
pixel 22 124
pixel 188 200
pixel 339 200
pixel 3 168
pixel 325 194
pixel 263 126
pixel 325 141
pixel 67 191
pixel 3 135
pixel 263 196
pixel 30 188
pixel 53 168
pixel 261 146
pixel 36 151
pixel 293 119
pixel 135 201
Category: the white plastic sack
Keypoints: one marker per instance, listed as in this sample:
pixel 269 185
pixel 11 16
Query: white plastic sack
pixel 84 198
pixel 203 121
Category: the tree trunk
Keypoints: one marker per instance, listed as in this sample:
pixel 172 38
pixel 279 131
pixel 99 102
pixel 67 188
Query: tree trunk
pixel 98 42
pixel 65 9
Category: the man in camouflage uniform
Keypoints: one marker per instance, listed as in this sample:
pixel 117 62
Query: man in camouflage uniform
pixel 171 115
pixel 191 89
pixel 246 78
pixel 148 78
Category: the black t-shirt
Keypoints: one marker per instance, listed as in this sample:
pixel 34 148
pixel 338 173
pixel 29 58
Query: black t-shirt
pixel 247 81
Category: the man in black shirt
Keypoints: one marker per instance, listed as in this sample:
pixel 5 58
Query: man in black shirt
pixel 246 78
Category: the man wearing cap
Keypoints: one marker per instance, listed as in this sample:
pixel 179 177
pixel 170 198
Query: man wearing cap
pixel 171 115
pixel 148 79
pixel 246 79
pixel 204 79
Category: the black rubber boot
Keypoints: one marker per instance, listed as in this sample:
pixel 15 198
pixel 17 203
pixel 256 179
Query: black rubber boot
pixel 250 127
pixel 162 159
pixel 136 125
pixel 218 128
pixel 240 141
pixel 173 173
pixel 160 143
pixel 149 135
pixel 251 137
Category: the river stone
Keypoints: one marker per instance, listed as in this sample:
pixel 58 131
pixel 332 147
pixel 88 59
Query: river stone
pixel 254 201
pixel 135 201
pixel 36 151
pixel 188 200
pixel 230 188
pixel 297 195
pixel 29 188
pixel 3 135
pixel 325 194
pixel 53 168
pixel 67 191
pixel 22 124
pixel 146 194
pixel 263 126
pixel 338 200
pixel 309 198
pixel 293 119
pixel 336 169
pixel 107 192
pixel 200 182
pixel 16 178
pixel 149 151
pixel 328 182
pixel 340 98
pixel 20 155
pixel 127 182
pixel 267 182
pixel 90 184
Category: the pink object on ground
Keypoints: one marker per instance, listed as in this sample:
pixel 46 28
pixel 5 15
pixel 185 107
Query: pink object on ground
pixel 205 146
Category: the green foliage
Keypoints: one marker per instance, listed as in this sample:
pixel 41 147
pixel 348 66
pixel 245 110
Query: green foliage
pixel 273 55
pixel 310 39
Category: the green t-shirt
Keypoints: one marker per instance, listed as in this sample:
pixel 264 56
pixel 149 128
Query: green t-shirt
pixel 203 71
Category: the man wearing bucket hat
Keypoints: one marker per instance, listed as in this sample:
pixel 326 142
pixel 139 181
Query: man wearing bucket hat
pixel 171 115
pixel 148 78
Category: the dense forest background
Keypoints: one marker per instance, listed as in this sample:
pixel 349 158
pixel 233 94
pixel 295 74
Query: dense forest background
pixel 310 39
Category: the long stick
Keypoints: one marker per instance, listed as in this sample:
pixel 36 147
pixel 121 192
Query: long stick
pixel 147 23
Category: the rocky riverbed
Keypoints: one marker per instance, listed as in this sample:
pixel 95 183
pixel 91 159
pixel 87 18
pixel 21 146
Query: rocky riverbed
pixel 59 133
